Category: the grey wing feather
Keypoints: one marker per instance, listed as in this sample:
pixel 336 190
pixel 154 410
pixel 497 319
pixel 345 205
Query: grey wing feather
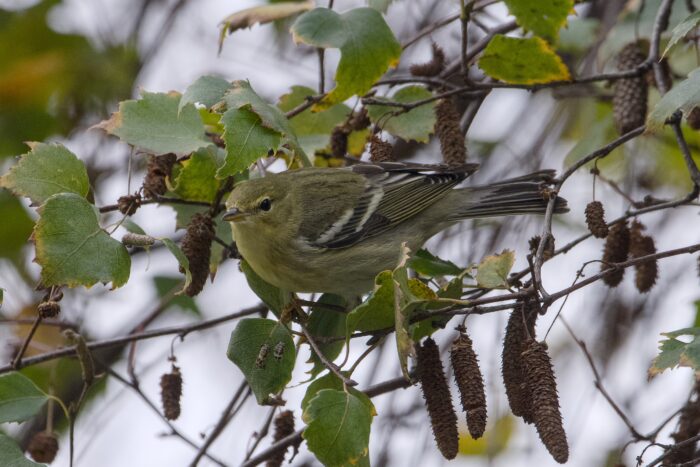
pixel 394 193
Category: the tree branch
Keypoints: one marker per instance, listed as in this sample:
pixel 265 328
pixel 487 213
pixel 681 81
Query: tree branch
pixel 181 330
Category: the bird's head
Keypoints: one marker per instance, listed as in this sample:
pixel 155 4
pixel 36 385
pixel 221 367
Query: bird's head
pixel 262 202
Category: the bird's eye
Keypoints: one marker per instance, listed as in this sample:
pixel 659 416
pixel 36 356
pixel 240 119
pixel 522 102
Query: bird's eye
pixel 265 204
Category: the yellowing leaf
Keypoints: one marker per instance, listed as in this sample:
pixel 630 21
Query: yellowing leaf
pixel 493 271
pixel 675 352
pixel 494 441
pixel 367 47
pixel 522 61
pixel 72 248
pixel 260 15
pixel 544 18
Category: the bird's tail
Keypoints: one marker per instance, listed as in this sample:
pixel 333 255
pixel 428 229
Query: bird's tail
pixel 528 194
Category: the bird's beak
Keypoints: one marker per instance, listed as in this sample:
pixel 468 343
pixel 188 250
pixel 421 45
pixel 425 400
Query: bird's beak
pixel 234 214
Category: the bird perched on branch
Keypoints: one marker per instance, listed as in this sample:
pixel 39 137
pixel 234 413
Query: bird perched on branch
pixel 333 230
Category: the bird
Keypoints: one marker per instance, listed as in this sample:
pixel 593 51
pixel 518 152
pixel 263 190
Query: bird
pixel 332 230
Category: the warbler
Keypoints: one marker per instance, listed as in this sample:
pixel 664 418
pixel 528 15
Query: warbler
pixel 334 229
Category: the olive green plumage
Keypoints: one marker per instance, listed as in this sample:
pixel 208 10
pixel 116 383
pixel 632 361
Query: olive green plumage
pixel 334 230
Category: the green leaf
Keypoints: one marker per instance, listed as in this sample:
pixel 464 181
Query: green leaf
pixel 223 231
pixel 166 285
pixel 683 28
pixel 420 291
pixel 330 381
pixel 264 351
pixel 260 15
pixel 155 124
pixel 207 90
pixel 327 323
pixel 312 128
pixel 377 312
pixel 367 47
pixel 13 235
pixel 242 96
pixel 46 170
pixel 181 260
pixel 338 427
pixel 246 140
pixel 674 352
pixel 379 5
pixel 683 96
pixel 133 227
pixel 427 264
pixel 522 61
pixel 20 398
pixel 196 180
pixel 405 304
pixel 416 124
pixel 12 456
pixel 493 271
pixel 327 381
pixel 427 327
pixel 543 18
pixel 275 299
pixel 72 248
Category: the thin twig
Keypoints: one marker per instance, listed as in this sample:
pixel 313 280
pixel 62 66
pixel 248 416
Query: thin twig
pixel 17 361
pixel 625 264
pixel 310 100
pixel 158 200
pixel 224 420
pixel 426 31
pixel 262 433
pixel 180 330
pixel 296 437
pixel 599 383
pixel 154 407
pixel 327 363
pixel 673 449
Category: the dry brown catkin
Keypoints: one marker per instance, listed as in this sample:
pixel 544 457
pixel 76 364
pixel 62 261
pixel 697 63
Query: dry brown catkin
pixel 438 399
pixel 540 378
pixel 470 383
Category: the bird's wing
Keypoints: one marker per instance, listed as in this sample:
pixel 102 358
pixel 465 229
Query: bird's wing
pixel 394 192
